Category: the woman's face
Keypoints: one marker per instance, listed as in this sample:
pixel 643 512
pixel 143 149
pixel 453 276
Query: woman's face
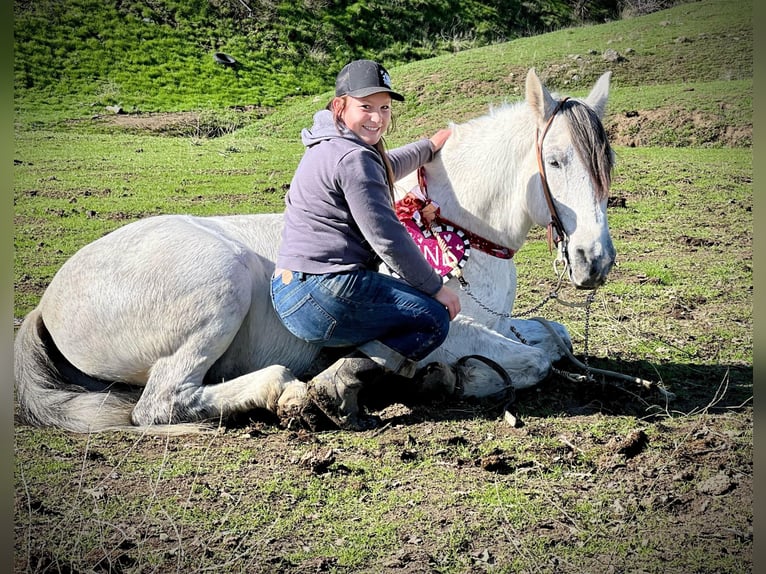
pixel 368 117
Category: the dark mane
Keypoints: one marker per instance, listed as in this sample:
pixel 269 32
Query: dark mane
pixel 592 145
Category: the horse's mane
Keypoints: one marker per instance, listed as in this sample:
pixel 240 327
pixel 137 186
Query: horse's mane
pixel 590 140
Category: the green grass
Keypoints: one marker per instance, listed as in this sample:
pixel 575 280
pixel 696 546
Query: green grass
pixel 83 55
pixel 677 309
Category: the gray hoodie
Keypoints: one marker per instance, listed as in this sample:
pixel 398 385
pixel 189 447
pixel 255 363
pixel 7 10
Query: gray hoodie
pixel 339 215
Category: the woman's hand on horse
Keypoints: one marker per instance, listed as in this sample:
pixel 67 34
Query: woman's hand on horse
pixel 438 139
pixel 449 299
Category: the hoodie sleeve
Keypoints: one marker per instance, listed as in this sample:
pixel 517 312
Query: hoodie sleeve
pixel 409 157
pixel 361 176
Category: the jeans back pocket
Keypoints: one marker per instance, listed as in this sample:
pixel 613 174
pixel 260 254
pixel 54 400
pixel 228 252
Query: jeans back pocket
pixel 303 316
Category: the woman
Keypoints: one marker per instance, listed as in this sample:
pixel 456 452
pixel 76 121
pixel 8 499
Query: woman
pixel 339 226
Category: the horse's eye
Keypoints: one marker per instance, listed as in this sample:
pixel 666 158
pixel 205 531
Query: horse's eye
pixel 554 163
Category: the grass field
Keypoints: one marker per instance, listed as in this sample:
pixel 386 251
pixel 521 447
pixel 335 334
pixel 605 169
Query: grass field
pixel 604 477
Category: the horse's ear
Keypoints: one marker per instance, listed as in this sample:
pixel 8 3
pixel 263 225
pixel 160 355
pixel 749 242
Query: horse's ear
pixel 538 97
pixel 599 94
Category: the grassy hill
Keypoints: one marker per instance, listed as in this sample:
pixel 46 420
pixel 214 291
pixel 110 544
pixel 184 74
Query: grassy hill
pixel 150 56
pixel 75 58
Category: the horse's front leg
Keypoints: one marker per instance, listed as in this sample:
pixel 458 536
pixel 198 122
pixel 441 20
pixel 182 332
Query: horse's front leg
pixel 176 391
pixel 524 364
pixel 549 336
pixel 273 388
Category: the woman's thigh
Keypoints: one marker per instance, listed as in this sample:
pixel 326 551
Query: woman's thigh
pixel 370 305
pixel 348 309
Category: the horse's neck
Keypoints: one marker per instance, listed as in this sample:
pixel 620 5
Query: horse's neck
pixel 480 177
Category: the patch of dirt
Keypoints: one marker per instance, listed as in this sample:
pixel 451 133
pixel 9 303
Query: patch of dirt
pixel 674 127
pixel 190 123
pixel 667 126
pixel 154 122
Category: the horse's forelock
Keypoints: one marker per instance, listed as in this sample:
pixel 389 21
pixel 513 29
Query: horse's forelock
pixel 590 140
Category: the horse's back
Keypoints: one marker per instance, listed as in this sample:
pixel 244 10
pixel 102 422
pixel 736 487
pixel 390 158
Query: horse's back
pixel 143 290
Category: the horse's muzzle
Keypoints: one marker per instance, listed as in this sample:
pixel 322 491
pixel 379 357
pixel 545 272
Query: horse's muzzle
pixel 590 272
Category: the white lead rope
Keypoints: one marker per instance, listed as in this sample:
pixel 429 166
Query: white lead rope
pixel 643 382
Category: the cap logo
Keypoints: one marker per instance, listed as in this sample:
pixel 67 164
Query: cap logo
pixel 385 78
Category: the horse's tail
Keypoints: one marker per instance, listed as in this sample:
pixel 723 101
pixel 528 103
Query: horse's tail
pixel 51 392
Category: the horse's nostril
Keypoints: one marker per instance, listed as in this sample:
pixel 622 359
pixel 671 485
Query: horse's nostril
pixel 589 272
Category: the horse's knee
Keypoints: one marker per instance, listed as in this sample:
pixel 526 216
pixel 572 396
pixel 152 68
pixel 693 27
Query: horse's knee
pixel 529 368
pixel 550 337
pixel 560 335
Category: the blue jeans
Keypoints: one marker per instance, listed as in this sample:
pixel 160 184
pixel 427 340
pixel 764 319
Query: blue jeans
pixel 387 319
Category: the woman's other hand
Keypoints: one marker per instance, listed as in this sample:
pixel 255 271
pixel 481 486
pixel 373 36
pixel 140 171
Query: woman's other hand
pixel 438 139
pixel 449 299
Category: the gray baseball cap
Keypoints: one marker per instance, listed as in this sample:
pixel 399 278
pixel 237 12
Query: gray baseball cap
pixel 362 78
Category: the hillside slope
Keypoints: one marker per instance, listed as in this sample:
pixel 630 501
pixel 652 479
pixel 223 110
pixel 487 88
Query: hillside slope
pixel 160 55
pixel 681 77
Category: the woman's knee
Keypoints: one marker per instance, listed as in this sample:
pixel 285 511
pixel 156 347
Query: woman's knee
pixel 439 329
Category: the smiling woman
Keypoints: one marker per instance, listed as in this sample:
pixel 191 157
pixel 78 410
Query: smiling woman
pixel 340 224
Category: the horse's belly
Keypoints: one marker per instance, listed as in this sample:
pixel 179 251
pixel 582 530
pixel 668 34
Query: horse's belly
pixel 146 292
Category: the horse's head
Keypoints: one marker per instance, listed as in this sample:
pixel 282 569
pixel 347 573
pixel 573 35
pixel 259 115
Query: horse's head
pixel 571 186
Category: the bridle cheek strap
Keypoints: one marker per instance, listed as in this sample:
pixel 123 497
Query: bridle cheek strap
pixel 555 223
pixel 420 205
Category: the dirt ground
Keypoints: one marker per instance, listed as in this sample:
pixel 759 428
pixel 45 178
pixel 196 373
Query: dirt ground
pixel 679 489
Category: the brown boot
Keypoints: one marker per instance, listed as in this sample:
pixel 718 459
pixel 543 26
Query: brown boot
pixel 335 392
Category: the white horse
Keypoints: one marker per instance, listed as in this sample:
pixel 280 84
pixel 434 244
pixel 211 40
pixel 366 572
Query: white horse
pixel 167 320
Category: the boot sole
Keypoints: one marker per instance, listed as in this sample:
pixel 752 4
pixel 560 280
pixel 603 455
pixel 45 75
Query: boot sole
pixel 328 408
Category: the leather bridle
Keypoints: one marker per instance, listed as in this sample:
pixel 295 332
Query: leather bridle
pixel 430 211
pixel 555 223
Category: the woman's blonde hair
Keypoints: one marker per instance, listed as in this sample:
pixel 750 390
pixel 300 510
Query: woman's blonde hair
pixel 380 146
